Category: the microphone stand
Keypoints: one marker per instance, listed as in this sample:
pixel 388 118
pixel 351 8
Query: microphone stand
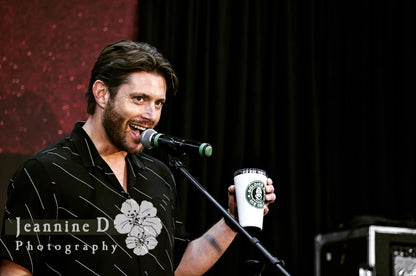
pixel 177 164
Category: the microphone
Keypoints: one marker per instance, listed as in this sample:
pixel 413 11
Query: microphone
pixel 152 139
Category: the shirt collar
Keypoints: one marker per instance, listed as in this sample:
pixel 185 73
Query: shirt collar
pixel 88 152
pixel 86 149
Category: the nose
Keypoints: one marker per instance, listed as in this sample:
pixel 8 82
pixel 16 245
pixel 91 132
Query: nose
pixel 150 112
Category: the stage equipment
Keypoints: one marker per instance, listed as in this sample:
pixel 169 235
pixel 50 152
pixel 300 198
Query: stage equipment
pixel 366 251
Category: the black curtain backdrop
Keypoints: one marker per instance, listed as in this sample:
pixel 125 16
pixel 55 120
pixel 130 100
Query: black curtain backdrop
pixel 318 93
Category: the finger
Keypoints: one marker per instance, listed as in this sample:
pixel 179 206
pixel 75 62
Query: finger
pixel 231 195
pixel 270 198
pixel 266 210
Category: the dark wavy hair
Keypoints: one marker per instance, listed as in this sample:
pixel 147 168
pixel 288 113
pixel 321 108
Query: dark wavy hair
pixel 118 60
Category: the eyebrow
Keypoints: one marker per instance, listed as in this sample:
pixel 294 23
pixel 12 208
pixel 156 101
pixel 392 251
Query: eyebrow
pixel 146 96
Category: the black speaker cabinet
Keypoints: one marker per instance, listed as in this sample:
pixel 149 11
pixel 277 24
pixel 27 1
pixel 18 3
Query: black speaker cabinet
pixel 367 251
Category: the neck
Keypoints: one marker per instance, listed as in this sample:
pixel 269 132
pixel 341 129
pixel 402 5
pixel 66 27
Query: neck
pixel 97 134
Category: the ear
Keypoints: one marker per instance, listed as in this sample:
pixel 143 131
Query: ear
pixel 101 93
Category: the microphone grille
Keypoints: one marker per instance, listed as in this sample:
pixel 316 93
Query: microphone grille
pixel 146 138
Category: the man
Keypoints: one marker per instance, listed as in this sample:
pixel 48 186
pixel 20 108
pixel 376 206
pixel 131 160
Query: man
pixel 94 203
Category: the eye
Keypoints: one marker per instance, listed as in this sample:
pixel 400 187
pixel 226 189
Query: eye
pixel 139 99
pixel 159 104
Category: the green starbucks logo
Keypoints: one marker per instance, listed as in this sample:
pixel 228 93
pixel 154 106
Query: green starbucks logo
pixel 255 194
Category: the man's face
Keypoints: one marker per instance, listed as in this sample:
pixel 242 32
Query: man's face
pixel 136 107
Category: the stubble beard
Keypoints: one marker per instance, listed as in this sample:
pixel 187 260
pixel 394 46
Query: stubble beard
pixel 113 123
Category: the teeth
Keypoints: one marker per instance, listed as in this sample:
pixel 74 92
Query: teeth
pixel 136 127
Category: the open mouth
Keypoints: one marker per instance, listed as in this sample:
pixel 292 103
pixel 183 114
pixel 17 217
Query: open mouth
pixel 136 130
pixel 137 127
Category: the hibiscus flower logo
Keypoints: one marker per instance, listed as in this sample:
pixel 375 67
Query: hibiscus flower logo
pixel 141 225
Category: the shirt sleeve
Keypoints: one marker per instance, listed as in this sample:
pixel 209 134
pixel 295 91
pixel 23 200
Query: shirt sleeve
pixel 29 199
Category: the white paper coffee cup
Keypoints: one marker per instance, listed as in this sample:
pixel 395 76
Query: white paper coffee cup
pixel 250 192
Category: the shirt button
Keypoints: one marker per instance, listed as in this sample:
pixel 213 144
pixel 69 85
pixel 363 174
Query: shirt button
pixel 145 273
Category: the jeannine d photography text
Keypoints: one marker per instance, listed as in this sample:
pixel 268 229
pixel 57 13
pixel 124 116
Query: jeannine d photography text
pixel 98 226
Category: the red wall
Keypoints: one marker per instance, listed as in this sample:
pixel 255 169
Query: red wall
pixel 47 49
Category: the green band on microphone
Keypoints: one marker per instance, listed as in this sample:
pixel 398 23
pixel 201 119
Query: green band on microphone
pixel 155 141
pixel 205 150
